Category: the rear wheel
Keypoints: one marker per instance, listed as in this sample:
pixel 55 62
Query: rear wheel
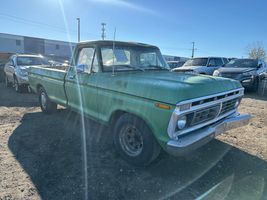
pixel 47 106
pixel 134 141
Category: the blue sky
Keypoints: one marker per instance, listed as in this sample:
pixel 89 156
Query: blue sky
pixel 219 28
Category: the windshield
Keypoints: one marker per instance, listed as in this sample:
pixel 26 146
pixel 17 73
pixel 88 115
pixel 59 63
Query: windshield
pixel 243 63
pixel 22 61
pixel 132 58
pixel 196 62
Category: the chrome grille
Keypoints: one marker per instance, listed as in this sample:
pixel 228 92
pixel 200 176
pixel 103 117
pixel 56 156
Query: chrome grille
pixel 203 111
pixel 204 115
pixel 228 106
pixel 203 101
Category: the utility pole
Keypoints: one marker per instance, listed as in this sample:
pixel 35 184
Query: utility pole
pixel 103 35
pixel 193 49
pixel 79 31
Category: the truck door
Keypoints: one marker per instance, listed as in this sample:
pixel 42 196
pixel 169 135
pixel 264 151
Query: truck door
pixel 81 81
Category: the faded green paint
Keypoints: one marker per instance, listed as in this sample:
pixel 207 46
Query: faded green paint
pixel 103 94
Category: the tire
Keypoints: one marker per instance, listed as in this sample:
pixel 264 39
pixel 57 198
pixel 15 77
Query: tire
pixel 7 83
pixel 47 106
pixel 255 86
pixel 18 88
pixel 134 141
pixel 29 90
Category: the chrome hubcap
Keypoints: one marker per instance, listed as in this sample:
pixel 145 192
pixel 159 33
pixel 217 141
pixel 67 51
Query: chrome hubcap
pixel 131 140
pixel 43 100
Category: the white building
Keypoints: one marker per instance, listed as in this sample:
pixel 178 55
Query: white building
pixel 59 50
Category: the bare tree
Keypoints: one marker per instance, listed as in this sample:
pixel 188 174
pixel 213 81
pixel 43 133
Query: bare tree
pixel 256 50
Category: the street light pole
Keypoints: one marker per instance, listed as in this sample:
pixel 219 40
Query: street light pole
pixel 79 32
pixel 193 49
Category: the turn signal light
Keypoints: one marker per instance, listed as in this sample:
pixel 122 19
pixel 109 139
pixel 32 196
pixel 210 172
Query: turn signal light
pixel 162 106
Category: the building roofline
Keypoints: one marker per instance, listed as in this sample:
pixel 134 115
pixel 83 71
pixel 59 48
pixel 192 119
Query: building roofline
pixel 74 43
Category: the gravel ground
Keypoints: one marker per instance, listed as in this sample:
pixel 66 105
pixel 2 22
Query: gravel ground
pixel 41 157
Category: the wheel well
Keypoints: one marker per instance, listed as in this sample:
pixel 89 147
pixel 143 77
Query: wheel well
pixel 115 116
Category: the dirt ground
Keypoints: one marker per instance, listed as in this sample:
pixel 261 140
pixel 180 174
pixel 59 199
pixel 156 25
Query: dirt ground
pixel 42 157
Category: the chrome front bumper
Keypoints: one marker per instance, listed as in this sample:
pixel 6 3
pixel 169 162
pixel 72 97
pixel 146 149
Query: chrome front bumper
pixel 198 138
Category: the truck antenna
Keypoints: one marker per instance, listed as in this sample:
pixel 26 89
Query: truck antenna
pixel 114 37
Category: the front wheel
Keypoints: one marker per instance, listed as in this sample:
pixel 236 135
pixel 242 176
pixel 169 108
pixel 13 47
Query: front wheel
pixel 134 141
pixel 7 83
pixel 255 86
pixel 47 106
pixel 17 86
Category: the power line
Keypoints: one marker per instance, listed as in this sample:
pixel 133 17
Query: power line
pixel 36 23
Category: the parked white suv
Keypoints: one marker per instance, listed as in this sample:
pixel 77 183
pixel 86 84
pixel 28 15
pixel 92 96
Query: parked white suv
pixel 16 69
pixel 204 65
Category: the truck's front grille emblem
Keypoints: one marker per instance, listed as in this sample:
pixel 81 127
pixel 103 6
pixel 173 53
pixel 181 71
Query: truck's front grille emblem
pixel 205 114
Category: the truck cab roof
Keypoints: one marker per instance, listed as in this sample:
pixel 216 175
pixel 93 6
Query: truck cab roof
pixel 110 42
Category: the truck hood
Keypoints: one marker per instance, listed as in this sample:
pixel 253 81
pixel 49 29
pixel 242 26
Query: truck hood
pixel 235 70
pixel 168 87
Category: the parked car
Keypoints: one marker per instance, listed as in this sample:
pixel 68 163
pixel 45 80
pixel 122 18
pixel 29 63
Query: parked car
pixel 3 60
pixel 204 65
pixel 175 64
pixel 247 71
pixel 16 69
pixel 129 87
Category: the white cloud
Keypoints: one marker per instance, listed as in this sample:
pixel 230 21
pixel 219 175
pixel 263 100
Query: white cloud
pixel 125 4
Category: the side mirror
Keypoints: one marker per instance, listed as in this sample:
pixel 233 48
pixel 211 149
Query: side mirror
pixel 81 68
pixel 259 65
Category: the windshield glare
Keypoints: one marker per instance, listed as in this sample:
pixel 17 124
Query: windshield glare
pixel 23 61
pixel 197 62
pixel 132 58
pixel 243 63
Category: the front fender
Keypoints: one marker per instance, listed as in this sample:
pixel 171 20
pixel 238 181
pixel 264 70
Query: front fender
pixel 156 118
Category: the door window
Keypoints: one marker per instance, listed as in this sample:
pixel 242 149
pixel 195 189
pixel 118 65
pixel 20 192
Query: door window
pixel 225 61
pixel 95 65
pixel 85 58
pixel 218 62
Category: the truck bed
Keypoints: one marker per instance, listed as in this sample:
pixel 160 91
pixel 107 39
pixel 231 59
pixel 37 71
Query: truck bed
pixel 52 80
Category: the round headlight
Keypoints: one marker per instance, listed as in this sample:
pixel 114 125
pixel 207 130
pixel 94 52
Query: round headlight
pixel 181 123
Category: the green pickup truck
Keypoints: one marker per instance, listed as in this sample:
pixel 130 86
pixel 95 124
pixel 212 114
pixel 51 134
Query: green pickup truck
pixel 129 87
